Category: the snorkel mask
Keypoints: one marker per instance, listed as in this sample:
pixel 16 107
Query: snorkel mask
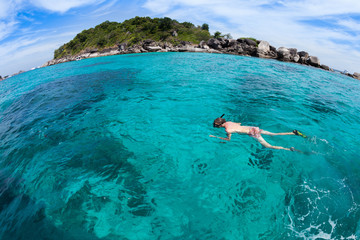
pixel 219 121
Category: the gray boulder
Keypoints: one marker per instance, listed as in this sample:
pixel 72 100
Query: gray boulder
pixel 148 44
pixel 303 57
pixel 222 41
pixel 325 67
pixel 273 52
pixel 264 46
pixel 296 58
pixel 356 75
pixel 165 45
pixel 283 54
pixel 91 50
pixel 229 43
pixel 288 54
pixel 263 49
pixel 240 40
pixel 135 49
pixel 246 47
pixel 185 43
pixel 313 61
pixel 240 50
pixel 214 43
pixel 249 50
pixel 203 45
pixel 293 51
pixel 232 42
pixel 250 42
pixel 303 54
pixel 302 60
pixel 122 46
pixel 108 50
pixel 84 55
pixel 294 55
pixel 232 50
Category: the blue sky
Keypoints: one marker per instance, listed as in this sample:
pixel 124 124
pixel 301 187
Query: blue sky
pixel 30 30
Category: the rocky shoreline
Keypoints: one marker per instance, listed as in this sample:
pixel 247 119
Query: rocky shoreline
pixel 241 46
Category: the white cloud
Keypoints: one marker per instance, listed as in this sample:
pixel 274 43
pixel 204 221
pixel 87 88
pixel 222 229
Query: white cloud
pixel 63 5
pixel 304 7
pixel 350 24
pixel 6 28
pixel 279 22
pixel 8 23
pixel 4 8
pixel 323 7
pixel 34 44
pixel 30 51
pixel 10 8
pixel 106 6
pixel 159 6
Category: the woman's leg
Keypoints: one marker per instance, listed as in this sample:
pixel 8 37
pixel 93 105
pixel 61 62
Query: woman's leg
pixel 274 134
pixel 262 141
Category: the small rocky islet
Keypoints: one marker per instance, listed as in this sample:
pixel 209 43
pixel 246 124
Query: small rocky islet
pixel 172 42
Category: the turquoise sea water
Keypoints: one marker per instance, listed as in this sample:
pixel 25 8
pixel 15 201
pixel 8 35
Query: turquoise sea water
pixel 118 148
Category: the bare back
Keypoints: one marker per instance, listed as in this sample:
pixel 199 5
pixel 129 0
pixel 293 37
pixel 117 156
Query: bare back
pixel 232 127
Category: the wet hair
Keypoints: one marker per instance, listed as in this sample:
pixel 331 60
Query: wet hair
pixel 219 121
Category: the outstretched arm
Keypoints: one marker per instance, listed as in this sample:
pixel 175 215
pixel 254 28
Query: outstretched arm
pixel 227 139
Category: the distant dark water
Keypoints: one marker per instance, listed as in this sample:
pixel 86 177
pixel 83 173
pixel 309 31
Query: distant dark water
pixel 118 148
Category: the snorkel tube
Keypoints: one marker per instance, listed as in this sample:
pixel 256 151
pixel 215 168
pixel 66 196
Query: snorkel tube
pixel 219 121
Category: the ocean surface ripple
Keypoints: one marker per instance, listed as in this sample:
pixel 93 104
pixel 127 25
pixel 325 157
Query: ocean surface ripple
pixel 118 148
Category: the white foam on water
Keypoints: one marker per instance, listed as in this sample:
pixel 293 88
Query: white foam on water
pixel 305 234
pixel 324 203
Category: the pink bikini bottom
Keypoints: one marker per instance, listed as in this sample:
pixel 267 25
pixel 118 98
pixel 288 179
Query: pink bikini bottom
pixel 254 132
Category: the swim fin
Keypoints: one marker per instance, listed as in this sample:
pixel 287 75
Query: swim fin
pixel 299 134
pixel 295 150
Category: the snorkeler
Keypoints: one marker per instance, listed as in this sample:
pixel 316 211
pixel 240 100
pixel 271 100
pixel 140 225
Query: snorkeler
pixel 255 132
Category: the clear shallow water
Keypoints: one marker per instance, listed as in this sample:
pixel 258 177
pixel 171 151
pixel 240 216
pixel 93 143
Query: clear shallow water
pixel 118 148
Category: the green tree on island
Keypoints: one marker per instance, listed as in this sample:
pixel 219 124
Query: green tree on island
pixel 134 31
pixel 217 34
pixel 205 27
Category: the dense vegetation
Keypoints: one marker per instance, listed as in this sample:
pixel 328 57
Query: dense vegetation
pixel 133 31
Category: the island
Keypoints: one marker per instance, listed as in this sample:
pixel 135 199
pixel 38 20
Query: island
pixel 145 34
